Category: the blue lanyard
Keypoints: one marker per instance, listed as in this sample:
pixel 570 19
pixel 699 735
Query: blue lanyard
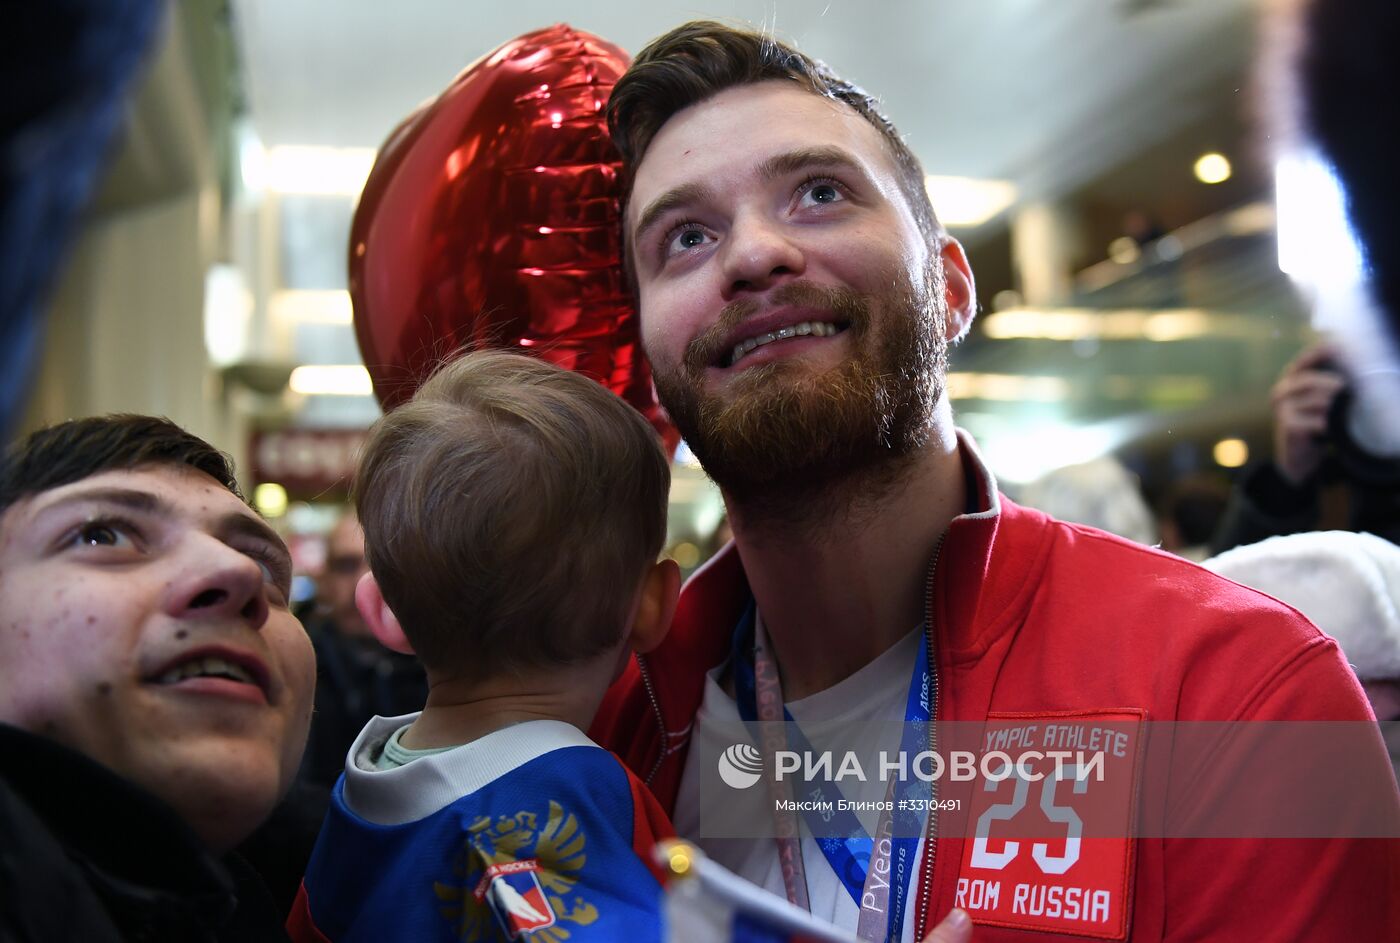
pixel 848 848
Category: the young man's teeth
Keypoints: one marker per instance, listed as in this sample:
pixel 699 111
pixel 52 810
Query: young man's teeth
pixel 206 667
pixel 815 328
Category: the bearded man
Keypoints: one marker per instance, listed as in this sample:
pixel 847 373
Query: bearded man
pixel 797 298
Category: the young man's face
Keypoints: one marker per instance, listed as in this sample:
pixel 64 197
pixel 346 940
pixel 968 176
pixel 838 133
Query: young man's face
pixel 144 622
pixel 793 313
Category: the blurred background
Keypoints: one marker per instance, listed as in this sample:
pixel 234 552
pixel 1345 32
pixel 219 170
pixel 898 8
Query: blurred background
pixel 1134 235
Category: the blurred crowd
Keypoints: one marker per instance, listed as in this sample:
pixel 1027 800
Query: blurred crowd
pixel 1314 525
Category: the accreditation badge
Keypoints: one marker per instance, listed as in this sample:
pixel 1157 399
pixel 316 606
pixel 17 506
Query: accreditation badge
pixel 1050 844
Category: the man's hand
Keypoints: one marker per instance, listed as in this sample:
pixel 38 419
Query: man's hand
pixel 1301 398
pixel 955 928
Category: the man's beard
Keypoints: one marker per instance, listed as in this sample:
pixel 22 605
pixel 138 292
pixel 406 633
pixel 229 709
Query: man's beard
pixel 781 433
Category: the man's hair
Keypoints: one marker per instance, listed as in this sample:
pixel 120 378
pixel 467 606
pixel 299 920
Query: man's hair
pixel 80 448
pixel 510 510
pixel 693 62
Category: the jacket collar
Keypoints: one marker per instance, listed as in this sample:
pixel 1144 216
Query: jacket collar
pixel 135 851
pixel 990 566
pixel 976 599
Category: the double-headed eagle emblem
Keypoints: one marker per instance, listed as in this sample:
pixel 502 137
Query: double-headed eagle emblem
pixel 513 879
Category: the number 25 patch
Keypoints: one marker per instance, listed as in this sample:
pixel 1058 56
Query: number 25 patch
pixel 1051 846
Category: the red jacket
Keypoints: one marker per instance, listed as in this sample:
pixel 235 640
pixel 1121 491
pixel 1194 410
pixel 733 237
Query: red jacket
pixel 1036 617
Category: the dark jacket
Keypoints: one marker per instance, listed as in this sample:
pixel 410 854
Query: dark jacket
pixel 357 679
pixel 86 855
pixel 1265 504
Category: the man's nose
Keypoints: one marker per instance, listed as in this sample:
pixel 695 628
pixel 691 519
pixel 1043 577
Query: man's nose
pixel 218 582
pixel 759 252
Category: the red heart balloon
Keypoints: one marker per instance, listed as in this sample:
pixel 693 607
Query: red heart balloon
pixel 491 219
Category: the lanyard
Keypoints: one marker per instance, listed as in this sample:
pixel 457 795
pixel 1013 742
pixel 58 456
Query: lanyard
pixel 875 872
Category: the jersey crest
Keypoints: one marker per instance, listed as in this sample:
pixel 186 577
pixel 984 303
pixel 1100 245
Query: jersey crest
pixel 516 875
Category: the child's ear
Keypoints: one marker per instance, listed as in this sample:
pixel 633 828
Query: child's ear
pixel 379 617
pixel 660 588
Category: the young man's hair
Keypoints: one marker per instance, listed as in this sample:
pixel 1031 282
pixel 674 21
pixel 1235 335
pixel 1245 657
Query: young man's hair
pixel 80 448
pixel 510 510
pixel 693 62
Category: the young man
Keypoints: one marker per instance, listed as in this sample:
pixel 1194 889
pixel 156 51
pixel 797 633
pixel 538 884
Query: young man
pixel 155 689
pixel 797 297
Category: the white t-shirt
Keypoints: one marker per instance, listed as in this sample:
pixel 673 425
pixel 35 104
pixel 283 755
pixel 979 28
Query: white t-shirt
pixel 874 696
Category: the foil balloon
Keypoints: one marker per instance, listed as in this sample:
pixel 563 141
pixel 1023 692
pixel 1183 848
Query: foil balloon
pixel 491 219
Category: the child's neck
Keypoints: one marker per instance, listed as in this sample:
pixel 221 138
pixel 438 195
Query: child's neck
pixel 459 712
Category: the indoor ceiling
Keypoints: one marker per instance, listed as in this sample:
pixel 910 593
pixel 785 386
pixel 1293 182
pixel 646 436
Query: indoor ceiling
pixel 1099 102
pixel 1046 93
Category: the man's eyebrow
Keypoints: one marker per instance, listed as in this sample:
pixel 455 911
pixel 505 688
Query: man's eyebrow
pixel 682 195
pixel 131 498
pixel 804 157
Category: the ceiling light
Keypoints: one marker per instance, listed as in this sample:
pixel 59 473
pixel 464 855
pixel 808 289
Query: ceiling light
pixel 1231 453
pixel 1176 325
pixel 1063 325
pixel 330 306
pixel 329 171
pixel 252 162
pixel 1068 324
pixel 338 380
pixel 964 202
pixel 1007 387
pixel 1212 168
pixel 270 499
pixel 1124 250
pixel 228 312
